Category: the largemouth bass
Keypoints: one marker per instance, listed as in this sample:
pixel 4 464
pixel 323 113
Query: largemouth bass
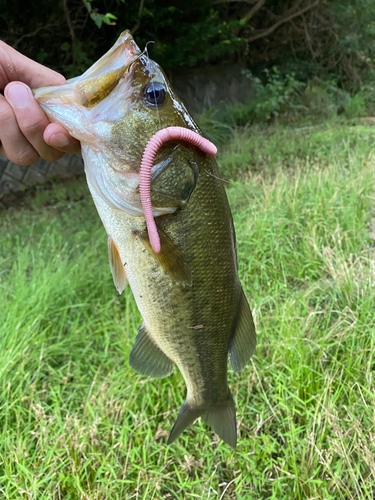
pixel 194 310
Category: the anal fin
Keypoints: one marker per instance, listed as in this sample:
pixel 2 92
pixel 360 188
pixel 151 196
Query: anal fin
pixel 170 258
pixel 242 344
pixel 147 358
pixel 116 265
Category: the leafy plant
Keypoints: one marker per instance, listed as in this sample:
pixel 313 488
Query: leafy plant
pixel 98 18
pixel 272 96
pixel 331 38
pixel 356 106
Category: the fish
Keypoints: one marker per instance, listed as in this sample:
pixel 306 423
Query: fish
pixel 195 313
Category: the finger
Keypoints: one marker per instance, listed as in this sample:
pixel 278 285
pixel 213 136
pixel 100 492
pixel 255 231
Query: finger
pixel 14 144
pixel 59 138
pixel 31 119
pixel 16 67
pixel 2 152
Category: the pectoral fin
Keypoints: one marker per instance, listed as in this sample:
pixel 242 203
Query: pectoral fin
pixel 243 342
pixel 170 258
pixel 147 358
pixel 116 265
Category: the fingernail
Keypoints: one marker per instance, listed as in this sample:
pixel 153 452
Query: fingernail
pixel 59 140
pixel 18 94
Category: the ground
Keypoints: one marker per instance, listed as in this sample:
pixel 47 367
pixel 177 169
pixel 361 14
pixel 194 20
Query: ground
pixel 77 423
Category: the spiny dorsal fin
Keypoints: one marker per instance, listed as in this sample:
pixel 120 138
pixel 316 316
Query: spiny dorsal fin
pixel 147 358
pixel 170 258
pixel 243 343
pixel 116 265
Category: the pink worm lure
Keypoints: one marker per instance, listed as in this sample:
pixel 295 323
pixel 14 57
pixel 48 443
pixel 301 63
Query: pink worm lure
pixel 156 141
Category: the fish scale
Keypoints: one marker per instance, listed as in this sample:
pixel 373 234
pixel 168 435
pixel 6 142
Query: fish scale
pixel 192 303
pixel 174 332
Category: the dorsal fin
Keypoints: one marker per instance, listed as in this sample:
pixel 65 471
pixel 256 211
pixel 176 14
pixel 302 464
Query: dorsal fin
pixel 243 343
pixel 116 265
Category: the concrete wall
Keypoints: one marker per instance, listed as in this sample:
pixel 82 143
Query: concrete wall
pixel 15 178
pixel 213 86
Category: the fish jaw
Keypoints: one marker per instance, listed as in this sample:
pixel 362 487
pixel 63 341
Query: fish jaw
pixel 70 104
pixel 118 190
pixel 96 82
pixel 86 109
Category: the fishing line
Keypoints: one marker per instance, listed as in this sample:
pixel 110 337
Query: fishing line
pixel 145 51
pixel 216 177
pixel 139 55
pixel 146 46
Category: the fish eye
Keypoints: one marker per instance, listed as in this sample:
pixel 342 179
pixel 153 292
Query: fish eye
pixel 154 93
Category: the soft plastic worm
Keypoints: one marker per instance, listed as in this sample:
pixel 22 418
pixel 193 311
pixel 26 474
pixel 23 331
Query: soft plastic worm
pixel 156 141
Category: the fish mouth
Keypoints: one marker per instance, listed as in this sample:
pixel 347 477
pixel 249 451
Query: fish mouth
pixel 99 80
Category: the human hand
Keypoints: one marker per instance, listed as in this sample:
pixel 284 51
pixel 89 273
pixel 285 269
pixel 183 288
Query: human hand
pixel 25 131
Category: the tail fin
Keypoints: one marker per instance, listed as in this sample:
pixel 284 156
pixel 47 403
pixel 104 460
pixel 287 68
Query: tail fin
pixel 186 417
pixel 223 420
pixel 221 417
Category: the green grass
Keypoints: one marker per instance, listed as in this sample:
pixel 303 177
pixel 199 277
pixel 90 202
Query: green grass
pixel 77 423
pixel 267 149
